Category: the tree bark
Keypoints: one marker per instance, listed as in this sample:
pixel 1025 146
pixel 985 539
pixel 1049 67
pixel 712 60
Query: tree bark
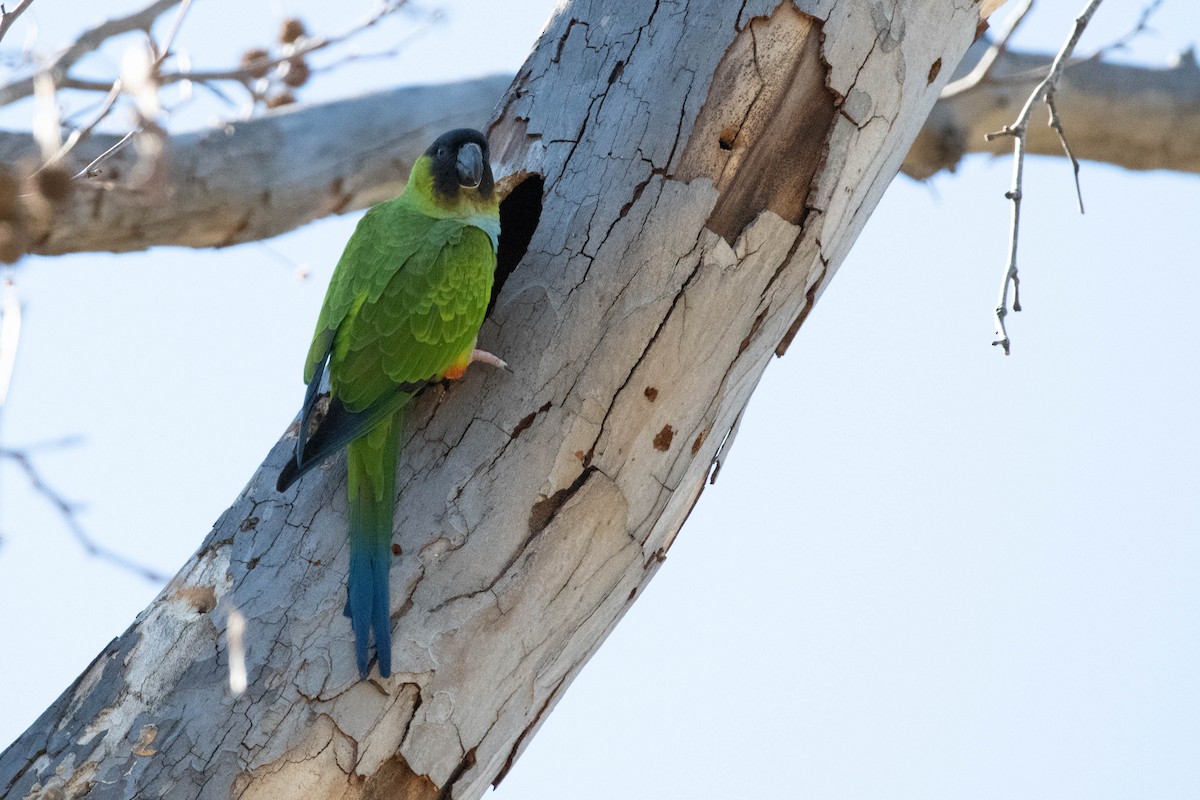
pixel 706 168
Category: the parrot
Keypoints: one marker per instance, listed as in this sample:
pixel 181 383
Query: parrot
pixel 403 309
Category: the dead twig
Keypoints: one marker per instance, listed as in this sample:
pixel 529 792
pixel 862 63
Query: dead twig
pixel 114 93
pixel 89 170
pixel 165 49
pixel 59 65
pixel 7 18
pixel 981 69
pixel 85 43
pixel 1141 26
pixel 55 72
pixel 309 44
pixel 1018 130
pixel 69 513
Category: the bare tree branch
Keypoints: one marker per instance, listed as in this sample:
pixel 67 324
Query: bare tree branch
pixel 164 49
pixel 250 180
pixel 1141 26
pixel 69 513
pixel 85 43
pixel 304 47
pixel 245 181
pixel 1017 130
pixel 1120 114
pixel 1056 125
pixel 981 69
pixel 7 18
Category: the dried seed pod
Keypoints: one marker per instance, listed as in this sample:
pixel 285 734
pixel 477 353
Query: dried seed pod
pixel 54 183
pixel 292 30
pixel 284 98
pixel 255 59
pixel 297 73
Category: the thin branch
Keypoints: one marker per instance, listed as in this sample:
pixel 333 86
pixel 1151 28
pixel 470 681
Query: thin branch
pixel 68 512
pixel 7 18
pixel 985 64
pixel 86 172
pixel 304 47
pixel 1018 130
pixel 165 50
pixel 56 70
pixel 87 42
pixel 398 47
pixel 983 68
pixel 90 40
pixel 79 134
pixel 1140 27
pixel 1057 126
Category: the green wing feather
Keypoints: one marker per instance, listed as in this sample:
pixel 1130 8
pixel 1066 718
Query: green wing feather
pixel 385 239
pixel 406 306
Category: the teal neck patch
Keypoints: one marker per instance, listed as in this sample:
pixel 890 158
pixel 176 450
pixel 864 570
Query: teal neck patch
pixel 488 223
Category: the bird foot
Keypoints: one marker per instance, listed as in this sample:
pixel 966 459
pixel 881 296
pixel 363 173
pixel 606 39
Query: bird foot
pixel 455 373
pixel 484 357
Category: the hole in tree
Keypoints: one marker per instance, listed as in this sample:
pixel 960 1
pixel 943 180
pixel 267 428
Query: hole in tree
pixel 725 140
pixel 519 215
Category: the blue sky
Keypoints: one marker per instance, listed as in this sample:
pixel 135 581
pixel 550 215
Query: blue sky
pixel 926 571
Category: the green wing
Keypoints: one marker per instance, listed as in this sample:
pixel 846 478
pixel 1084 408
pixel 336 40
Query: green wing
pixel 406 301
pixel 385 238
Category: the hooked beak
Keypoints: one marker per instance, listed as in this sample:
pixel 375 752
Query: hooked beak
pixel 470 165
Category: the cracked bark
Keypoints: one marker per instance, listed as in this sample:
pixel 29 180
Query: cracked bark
pixel 669 264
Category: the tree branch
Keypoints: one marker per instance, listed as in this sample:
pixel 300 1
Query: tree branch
pixel 998 48
pixel 255 179
pixel 1018 131
pixel 86 42
pixel 7 18
pixel 1124 115
pixel 70 517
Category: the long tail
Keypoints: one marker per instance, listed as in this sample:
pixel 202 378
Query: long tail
pixel 371 462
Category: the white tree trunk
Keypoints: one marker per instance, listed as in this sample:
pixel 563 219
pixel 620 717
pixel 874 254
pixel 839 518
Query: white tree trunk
pixel 706 168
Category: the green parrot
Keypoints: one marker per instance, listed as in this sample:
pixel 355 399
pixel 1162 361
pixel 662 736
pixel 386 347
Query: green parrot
pixel 403 308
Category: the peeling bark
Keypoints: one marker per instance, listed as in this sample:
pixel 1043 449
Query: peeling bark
pixel 663 273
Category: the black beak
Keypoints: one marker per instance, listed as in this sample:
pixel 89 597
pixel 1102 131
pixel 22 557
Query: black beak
pixel 470 165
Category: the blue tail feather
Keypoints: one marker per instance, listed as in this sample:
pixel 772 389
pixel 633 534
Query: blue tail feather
pixel 371 463
pixel 367 605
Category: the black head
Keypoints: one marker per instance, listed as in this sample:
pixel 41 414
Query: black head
pixel 460 162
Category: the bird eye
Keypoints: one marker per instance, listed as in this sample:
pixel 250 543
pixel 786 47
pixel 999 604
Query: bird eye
pixel 441 152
